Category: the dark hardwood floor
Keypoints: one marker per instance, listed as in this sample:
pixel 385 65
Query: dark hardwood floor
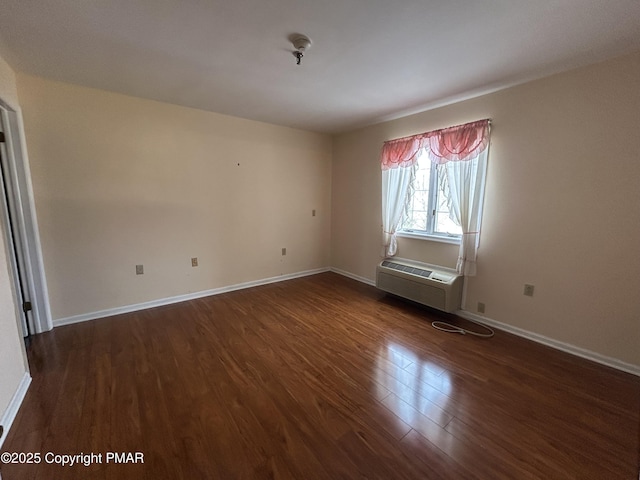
pixel 319 377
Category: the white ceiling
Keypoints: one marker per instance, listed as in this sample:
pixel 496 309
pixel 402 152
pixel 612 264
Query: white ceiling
pixel 371 60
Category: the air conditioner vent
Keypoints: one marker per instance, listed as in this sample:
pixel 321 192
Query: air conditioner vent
pixel 436 287
pixel 407 269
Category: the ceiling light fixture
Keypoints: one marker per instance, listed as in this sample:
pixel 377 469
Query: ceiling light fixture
pixel 301 43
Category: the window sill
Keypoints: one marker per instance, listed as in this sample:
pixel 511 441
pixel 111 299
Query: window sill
pixel 432 238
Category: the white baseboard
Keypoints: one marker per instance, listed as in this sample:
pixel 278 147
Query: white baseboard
pixel 550 342
pixel 181 298
pixel 353 276
pixel 10 413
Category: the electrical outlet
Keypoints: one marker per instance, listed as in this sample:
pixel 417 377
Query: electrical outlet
pixel 139 269
pixel 528 290
pixel 194 262
pixel 313 213
pixel 481 307
pixel 284 251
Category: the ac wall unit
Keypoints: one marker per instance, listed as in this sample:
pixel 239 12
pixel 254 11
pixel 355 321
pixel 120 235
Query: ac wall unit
pixel 430 285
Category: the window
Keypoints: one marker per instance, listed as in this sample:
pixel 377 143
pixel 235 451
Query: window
pixel 433 187
pixel 427 213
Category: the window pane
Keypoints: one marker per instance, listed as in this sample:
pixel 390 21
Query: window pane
pixel 416 218
pixel 443 223
pixel 422 176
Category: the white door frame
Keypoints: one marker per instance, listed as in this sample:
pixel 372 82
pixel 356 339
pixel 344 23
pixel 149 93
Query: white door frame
pixel 25 226
pixel 15 260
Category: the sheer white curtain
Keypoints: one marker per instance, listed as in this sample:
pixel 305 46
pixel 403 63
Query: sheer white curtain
pixel 398 161
pixel 461 155
pixel 464 182
pixel 395 196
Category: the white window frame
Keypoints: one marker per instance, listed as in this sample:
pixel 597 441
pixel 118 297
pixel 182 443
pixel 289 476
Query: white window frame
pixel 433 237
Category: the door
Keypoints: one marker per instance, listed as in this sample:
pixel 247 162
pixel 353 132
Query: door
pixel 15 243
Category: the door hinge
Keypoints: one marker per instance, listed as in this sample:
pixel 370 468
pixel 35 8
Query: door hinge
pixel 27 307
pixel 1 137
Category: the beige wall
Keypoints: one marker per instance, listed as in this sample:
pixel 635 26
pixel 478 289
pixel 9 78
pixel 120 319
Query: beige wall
pixel 12 361
pixel 120 181
pixel 562 207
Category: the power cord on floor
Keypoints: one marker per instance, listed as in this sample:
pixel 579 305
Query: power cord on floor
pixel 447 327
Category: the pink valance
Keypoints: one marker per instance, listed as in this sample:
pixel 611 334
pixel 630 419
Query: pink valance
pixel 460 143
pixel 402 152
pixel 453 144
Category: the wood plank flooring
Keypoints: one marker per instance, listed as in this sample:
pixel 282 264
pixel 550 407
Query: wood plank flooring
pixel 318 378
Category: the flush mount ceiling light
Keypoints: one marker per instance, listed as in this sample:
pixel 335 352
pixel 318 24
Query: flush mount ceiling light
pixel 301 43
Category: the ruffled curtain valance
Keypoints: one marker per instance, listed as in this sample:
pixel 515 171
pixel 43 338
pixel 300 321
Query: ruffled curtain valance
pixel 453 144
pixel 402 152
pixel 457 144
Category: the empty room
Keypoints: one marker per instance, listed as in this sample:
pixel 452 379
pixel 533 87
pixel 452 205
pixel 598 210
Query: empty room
pixel 320 240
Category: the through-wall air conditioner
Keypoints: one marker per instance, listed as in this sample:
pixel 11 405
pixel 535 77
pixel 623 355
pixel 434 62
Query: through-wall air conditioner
pixel 436 287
